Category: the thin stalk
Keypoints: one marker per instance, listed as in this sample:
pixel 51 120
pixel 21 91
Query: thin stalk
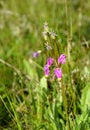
pixel 7 108
pixel 65 105
pixel 15 114
pixel 20 73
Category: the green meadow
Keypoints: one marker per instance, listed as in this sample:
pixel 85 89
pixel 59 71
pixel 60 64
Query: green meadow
pixel 36 93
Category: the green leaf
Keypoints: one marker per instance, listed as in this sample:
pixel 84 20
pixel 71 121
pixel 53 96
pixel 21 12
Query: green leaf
pixel 43 82
pixel 85 99
pixel 30 69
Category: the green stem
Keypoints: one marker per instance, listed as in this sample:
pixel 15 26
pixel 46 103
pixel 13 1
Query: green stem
pixel 65 105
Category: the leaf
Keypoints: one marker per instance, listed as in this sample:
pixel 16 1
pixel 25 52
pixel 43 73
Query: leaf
pixel 85 98
pixel 43 82
pixel 30 69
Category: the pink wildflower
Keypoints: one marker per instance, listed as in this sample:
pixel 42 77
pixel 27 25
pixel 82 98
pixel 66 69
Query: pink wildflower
pixel 62 59
pixel 58 73
pixel 36 54
pixel 46 70
pixel 50 61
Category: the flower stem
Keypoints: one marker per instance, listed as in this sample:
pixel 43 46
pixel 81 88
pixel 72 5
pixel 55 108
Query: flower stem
pixel 65 105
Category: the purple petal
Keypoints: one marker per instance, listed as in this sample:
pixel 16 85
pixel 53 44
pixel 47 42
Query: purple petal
pixel 50 61
pixel 35 55
pixel 62 59
pixel 46 70
pixel 58 73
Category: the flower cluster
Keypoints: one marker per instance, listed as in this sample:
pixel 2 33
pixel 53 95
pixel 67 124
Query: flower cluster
pixel 58 70
pixel 47 35
pixel 51 48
